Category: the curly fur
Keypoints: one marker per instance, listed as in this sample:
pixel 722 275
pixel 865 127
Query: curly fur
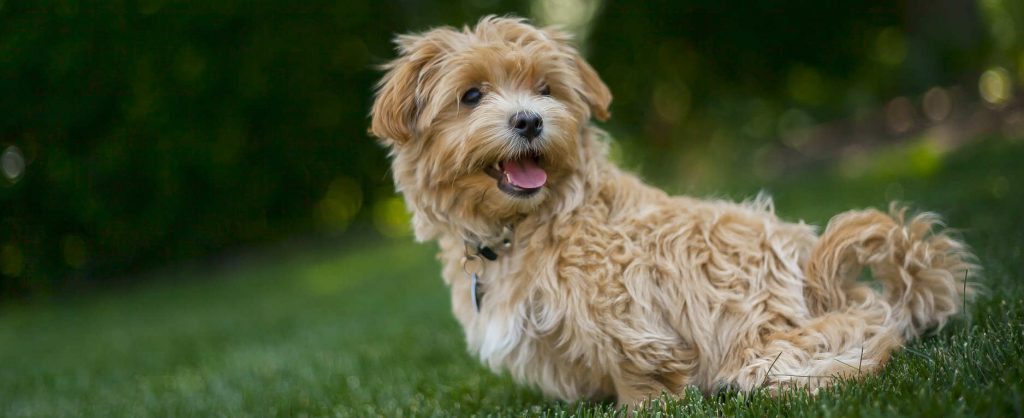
pixel 613 287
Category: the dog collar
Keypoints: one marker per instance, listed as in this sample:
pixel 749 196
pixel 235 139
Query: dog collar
pixel 486 249
pixel 473 265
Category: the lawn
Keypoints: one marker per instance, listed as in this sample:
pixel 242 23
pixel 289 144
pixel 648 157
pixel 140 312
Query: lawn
pixel 365 330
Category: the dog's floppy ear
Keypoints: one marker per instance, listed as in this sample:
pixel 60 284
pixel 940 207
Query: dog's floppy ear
pixel 592 89
pixel 396 106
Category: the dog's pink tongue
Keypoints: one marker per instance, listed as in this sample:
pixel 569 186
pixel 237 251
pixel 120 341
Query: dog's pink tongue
pixel 525 173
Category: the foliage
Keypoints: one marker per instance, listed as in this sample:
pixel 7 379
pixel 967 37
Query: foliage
pixel 165 131
pixel 703 86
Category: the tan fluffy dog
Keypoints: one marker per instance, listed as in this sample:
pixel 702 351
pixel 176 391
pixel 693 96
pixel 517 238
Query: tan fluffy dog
pixel 590 283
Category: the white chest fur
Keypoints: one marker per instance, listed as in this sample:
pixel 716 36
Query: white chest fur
pixel 515 332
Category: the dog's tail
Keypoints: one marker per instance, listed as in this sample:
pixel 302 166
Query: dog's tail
pixel 924 272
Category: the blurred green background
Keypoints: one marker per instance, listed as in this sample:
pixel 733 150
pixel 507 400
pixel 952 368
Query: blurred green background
pixel 142 134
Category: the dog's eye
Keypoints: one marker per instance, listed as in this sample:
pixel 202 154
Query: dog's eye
pixel 545 91
pixel 472 96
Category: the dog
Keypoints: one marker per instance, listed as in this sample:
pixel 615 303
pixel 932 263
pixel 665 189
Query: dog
pixel 579 279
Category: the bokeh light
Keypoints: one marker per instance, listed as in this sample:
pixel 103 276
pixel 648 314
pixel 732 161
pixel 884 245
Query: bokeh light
pixel 794 127
pixel 890 46
pixel 1001 25
pixel 806 85
pixel 937 104
pixel 572 15
pixel 12 163
pixel 340 203
pixel 391 218
pixel 925 157
pixel 671 101
pixel 899 114
pixel 995 86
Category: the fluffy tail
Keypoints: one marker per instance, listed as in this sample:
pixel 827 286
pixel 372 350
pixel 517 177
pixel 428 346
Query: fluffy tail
pixel 921 268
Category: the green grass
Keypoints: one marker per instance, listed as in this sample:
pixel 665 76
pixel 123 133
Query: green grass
pixel 367 331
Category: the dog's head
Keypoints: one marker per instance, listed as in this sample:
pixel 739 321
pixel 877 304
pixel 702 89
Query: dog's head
pixel 482 122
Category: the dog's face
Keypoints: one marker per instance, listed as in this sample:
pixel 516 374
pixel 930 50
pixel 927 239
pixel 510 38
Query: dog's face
pixel 484 122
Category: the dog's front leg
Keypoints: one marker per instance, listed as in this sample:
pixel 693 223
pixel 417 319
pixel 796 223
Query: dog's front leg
pixel 634 391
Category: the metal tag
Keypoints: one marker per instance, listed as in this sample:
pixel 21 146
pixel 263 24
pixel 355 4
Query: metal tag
pixel 472 265
pixel 475 290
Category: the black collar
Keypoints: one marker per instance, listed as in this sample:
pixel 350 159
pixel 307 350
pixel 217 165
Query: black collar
pixel 487 253
pixel 475 250
pixel 486 249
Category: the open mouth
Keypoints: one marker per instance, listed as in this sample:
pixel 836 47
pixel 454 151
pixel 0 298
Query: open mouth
pixel 519 177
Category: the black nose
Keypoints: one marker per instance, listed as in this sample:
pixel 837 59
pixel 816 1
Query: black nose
pixel 527 124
